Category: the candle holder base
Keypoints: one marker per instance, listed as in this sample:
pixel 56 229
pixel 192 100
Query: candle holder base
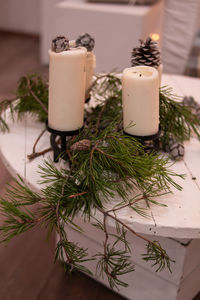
pixel 150 142
pixel 87 100
pixel 60 151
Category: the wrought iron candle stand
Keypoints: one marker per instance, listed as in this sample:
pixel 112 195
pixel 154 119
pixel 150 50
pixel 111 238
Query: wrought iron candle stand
pixel 60 151
pixel 154 138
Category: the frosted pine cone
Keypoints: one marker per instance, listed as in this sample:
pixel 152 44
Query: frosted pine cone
pixel 147 54
pixel 85 40
pixel 59 44
pixel 175 149
pixel 198 112
pixel 189 101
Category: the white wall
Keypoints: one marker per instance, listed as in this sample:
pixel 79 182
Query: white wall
pixel 20 15
pixel 116 28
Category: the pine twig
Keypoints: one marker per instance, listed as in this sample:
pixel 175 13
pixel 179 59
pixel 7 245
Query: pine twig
pixel 91 158
pixel 105 213
pixel 59 226
pixel 95 82
pixel 36 154
pixel 35 96
pixel 78 194
pixel 100 116
pixel 125 205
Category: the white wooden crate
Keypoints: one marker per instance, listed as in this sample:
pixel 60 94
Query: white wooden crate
pixel 144 283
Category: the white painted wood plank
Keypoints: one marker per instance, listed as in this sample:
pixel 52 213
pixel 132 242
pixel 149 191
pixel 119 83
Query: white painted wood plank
pixel 181 214
pixel 190 286
pixel 192 258
pixel 188 85
pixel 13 147
pixel 182 217
pixel 168 80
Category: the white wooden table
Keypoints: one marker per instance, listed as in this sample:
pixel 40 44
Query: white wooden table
pixel 177 226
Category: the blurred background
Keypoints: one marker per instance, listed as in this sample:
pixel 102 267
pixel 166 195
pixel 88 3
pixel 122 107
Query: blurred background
pixel 26 30
pixel 27 27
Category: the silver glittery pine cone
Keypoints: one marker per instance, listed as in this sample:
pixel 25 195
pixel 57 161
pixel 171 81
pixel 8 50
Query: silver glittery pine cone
pixel 59 44
pixel 85 40
pixel 191 103
pixel 175 149
pixel 148 54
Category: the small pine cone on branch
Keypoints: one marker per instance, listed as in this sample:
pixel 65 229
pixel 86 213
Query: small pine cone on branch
pixel 81 145
pixel 147 54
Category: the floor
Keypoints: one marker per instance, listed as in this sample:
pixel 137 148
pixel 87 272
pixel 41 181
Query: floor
pixel 27 271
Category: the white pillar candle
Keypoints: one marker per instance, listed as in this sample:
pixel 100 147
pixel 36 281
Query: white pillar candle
pixel 66 89
pixel 140 95
pixel 89 68
pixel 72 43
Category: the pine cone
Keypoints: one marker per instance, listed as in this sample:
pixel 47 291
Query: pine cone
pixel 147 54
pixel 59 44
pixel 175 149
pixel 190 102
pixel 85 40
pixel 198 112
pixel 81 145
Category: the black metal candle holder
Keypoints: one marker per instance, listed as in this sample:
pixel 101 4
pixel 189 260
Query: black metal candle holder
pixel 87 100
pixel 154 138
pixel 60 152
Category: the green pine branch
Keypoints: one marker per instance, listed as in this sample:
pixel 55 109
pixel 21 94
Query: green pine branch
pixel 176 119
pixel 158 256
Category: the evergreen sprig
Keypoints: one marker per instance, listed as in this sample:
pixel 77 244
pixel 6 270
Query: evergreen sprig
pixel 157 255
pixel 114 264
pixel 77 257
pixel 176 119
pixel 104 163
pixel 33 94
pixel 31 97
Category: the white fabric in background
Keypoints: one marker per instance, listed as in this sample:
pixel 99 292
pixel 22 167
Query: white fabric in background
pixel 180 26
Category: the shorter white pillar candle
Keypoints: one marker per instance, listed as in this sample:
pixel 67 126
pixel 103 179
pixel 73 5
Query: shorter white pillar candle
pixel 140 95
pixel 89 68
pixel 66 89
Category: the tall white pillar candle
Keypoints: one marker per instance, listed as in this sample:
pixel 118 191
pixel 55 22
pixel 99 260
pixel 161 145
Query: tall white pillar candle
pixel 66 89
pixel 89 68
pixel 140 95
